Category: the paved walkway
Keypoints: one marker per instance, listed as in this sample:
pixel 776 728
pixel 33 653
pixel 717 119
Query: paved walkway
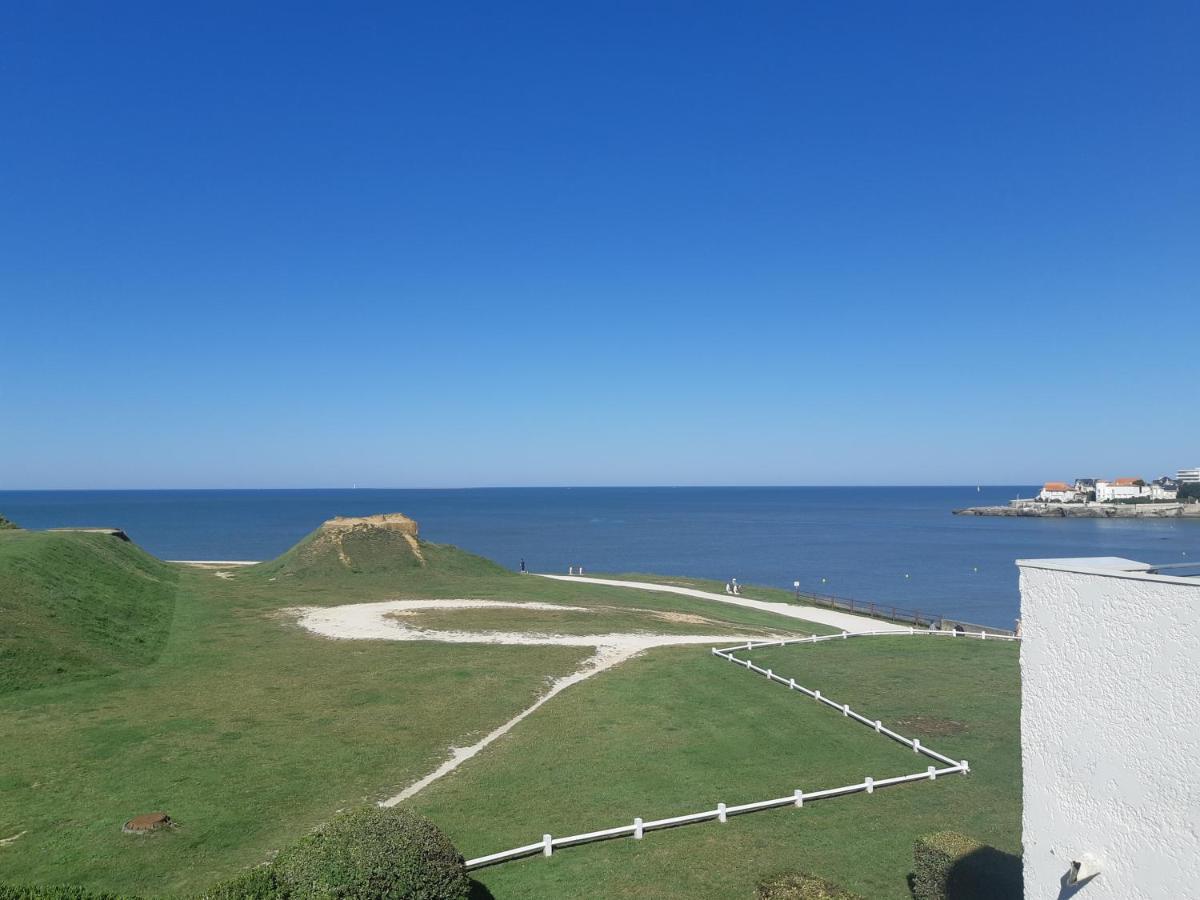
pixel 839 620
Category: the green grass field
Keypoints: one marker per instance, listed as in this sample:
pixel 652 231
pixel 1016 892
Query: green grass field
pixel 679 730
pixel 134 686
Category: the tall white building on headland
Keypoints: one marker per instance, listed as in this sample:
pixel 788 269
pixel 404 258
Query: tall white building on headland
pixel 1110 729
pixel 1188 476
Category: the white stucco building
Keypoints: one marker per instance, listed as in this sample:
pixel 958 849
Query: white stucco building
pixel 1110 729
pixel 1059 492
pixel 1121 489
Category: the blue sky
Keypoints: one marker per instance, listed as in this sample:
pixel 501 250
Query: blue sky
pixel 255 245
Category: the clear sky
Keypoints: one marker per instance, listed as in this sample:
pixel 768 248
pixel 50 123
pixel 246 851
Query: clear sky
pixel 443 244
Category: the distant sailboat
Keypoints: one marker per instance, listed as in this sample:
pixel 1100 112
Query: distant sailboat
pixel 978 489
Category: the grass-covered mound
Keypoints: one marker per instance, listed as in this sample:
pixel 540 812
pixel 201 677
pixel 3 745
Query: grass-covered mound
pixel 387 544
pixel 77 605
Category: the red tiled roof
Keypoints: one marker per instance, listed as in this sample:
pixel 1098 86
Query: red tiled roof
pixel 1056 486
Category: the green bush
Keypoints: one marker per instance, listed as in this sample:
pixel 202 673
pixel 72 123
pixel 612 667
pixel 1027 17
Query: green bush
pixel 7 523
pixel 951 866
pixel 255 884
pixel 55 892
pixel 801 886
pixel 373 853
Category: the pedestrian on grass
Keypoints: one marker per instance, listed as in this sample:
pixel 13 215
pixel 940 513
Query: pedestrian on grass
pixel 522 566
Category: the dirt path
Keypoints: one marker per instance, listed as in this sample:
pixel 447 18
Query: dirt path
pixel 378 621
pixel 840 620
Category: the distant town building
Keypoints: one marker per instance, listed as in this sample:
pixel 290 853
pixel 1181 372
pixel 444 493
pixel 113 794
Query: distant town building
pixel 1188 476
pixel 1110 684
pixel 1165 488
pixel 1059 492
pixel 1122 489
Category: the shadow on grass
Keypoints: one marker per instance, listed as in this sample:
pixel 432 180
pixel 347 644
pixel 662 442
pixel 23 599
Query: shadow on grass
pixel 479 892
pixel 985 874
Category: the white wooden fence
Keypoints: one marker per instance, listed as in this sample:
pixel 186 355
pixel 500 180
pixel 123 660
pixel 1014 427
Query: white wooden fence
pixel 548 844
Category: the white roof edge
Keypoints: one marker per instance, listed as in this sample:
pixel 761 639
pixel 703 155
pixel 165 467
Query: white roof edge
pixel 1111 566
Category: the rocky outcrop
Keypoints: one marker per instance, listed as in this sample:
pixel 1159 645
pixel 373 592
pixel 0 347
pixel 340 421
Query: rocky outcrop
pixel 389 521
pixel 1087 511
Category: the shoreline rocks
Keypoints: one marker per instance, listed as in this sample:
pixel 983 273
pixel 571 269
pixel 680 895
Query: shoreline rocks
pixel 1088 511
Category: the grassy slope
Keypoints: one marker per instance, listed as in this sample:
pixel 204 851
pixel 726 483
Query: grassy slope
pixel 250 731
pixel 76 605
pixel 677 731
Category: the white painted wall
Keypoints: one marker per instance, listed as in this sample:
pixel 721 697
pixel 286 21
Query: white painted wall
pixel 1110 729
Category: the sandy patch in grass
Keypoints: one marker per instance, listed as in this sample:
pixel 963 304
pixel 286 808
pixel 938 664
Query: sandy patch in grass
pixel 386 621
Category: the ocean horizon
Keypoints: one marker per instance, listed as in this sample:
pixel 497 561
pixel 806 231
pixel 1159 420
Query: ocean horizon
pixel 894 545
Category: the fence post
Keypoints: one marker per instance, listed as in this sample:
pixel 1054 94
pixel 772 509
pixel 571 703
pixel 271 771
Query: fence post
pixel 720 812
pixel 870 782
pixel 547 845
pixel 816 695
pixel 916 745
pixel 966 767
pixel 878 725
pixel 637 829
pixel 769 673
pixel 791 684
pixel 845 709
pixel 932 774
pixel 799 794
pixel 845 634
pixel 912 630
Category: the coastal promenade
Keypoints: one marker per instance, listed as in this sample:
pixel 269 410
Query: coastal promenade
pixel 844 621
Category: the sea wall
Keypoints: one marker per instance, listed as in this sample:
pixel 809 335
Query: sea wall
pixel 1088 510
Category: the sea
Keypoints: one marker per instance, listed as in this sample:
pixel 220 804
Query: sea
pixel 890 545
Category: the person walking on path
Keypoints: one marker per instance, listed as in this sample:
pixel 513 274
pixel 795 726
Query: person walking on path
pixel 522 566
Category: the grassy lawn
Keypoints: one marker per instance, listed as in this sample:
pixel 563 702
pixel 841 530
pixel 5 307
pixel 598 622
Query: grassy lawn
pixel 199 698
pixel 677 731
pixel 131 686
pixel 248 731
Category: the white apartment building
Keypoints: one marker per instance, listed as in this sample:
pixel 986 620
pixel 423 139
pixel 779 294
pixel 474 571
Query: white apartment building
pixel 1188 476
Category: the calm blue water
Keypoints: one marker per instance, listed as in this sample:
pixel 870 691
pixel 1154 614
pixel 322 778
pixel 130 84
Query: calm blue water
pixel 862 541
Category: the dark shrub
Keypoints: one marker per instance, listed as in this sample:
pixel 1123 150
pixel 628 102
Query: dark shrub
pixel 255 884
pixel 801 886
pixel 373 853
pixel 952 866
pixel 55 892
pixel 6 523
